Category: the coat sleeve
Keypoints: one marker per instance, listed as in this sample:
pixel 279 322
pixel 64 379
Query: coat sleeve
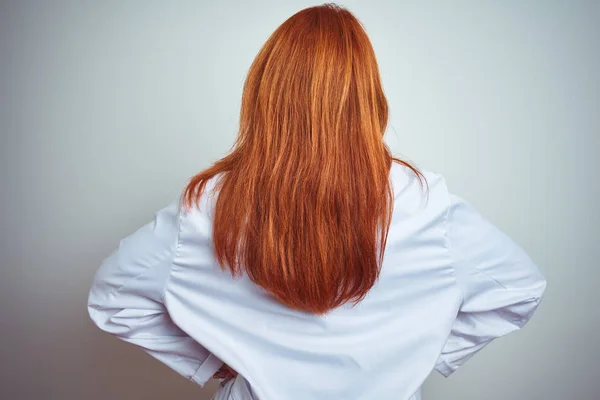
pixel 501 286
pixel 126 298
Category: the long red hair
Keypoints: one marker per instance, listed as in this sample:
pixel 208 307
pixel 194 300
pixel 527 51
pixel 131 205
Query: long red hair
pixel 304 198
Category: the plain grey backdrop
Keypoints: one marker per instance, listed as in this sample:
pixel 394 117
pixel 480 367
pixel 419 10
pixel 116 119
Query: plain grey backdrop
pixel 108 107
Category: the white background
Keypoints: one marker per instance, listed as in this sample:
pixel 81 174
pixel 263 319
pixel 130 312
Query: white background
pixel 108 107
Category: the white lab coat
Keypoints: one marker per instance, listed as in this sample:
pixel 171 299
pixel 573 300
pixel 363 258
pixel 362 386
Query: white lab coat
pixel 450 283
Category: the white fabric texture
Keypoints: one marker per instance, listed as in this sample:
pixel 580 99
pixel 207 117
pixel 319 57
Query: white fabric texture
pixel 450 283
pixel 239 389
pixel 234 389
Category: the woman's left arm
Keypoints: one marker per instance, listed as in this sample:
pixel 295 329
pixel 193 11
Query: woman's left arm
pixel 126 298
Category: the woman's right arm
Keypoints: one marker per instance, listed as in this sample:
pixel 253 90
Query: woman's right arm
pixel 500 285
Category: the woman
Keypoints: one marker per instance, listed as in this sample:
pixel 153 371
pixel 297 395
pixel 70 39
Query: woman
pixel 308 260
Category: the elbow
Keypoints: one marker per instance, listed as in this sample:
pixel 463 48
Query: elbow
pixel 539 289
pixel 104 318
pixel 98 309
pixel 542 289
pixel 528 309
pixel 100 302
pixel 534 284
pixel 95 314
